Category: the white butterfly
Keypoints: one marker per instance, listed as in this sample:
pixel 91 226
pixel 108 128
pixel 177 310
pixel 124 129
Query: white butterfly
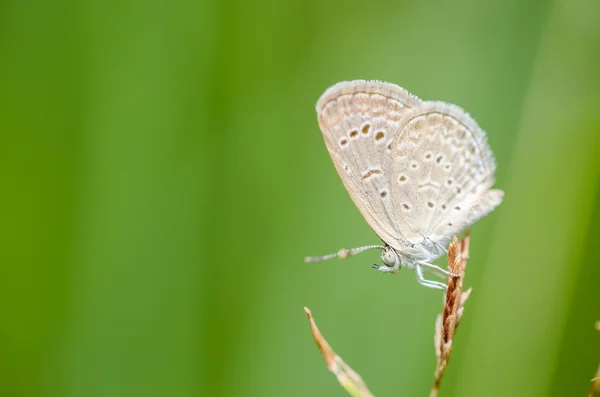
pixel 418 171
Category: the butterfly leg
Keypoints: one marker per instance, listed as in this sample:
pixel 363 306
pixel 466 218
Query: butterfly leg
pixel 428 283
pixel 438 244
pixel 437 270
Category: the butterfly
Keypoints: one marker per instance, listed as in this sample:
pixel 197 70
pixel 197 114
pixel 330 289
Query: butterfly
pixel 419 171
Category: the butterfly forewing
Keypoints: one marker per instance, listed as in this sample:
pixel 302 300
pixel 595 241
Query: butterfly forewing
pixel 443 171
pixel 359 121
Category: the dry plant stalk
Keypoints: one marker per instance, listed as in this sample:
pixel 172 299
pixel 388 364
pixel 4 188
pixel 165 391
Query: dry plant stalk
pixel 454 300
pixel 595 390
pixel 346 376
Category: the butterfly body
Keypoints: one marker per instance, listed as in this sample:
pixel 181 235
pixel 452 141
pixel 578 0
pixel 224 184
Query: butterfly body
pixel 424 251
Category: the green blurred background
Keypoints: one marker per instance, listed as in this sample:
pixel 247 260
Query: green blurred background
pixel 163 176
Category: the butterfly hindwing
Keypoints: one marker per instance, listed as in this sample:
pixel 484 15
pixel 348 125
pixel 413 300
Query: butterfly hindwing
pixel 444 170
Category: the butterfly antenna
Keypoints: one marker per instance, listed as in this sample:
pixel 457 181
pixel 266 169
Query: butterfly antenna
pixel 342 254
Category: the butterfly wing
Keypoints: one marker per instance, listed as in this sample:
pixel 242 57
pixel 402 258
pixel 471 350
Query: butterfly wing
pixel 359 120
pixel 444 171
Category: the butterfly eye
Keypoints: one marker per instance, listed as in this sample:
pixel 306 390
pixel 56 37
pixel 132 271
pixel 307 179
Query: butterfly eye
pixel 389 257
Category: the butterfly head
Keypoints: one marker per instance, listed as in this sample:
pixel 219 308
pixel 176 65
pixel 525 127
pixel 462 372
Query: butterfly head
pixel 391 260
